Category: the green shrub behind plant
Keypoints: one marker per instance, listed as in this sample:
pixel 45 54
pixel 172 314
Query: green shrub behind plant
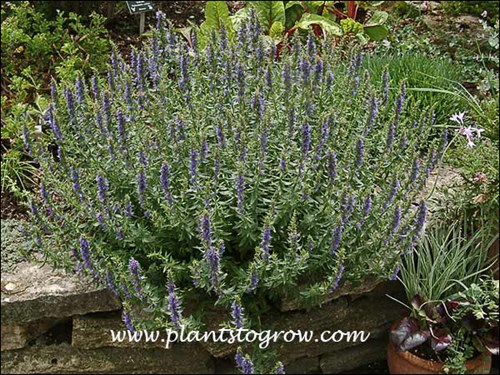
pixel 33 50
pixel 422 71
pixel 475 8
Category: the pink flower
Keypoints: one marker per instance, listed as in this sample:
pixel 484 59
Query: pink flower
pixel 468 132
pixel 470 144
pixel 478 131
pixel 458 118
pixel 480 177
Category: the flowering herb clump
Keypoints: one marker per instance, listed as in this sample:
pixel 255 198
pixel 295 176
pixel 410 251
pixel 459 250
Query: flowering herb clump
pixel 231 172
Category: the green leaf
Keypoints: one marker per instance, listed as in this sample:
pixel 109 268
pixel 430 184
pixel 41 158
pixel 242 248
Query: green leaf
pixel 217 15
pixel 378 18
pixel 376 32
pixel 293 13
pixel 276 30
pixel 290 4
pixel 313 19
pixel 239 17
pixel 269 12
pixel 186 33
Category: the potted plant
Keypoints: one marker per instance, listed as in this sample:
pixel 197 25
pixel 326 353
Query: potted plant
pixel 453 322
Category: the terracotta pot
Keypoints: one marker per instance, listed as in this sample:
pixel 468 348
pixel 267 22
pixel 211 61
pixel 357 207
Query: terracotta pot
pixel 408 363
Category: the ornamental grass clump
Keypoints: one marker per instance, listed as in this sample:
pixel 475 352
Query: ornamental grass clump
pixel 222 174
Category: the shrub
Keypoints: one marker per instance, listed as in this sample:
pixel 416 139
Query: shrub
pixel 33 50
pixel 223 175
pixel 421 72
pixel 475 8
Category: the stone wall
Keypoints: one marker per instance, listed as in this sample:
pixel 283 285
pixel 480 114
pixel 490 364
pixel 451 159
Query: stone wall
pixel 58 323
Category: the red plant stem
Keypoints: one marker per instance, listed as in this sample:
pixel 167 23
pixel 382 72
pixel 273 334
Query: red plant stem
pixel 352 9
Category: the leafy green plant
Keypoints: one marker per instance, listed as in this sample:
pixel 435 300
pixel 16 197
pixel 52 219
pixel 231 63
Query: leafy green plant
pixel 472 7
pixel 33 50
pixel 219 175
pixel 452 306
pixel 432 83
pixel 280 19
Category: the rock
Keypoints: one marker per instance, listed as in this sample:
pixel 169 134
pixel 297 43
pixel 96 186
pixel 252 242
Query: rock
pixel 35 292
pixel 181 359
pixel 354 357
pixel 215 319
pixel 469 22
pixel 430 6
pixel 432 22
pixel 94 331
pixel 303 366
pixel 16 336
pixel 347 288
pixel 226 366
pixel 372 313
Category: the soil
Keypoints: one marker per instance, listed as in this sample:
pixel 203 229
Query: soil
pixel 124 27
pixel 11 209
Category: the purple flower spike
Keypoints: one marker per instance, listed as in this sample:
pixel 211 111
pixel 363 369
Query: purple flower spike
pixel 79 90
pixel 212 257
pixel 262 106
pixel 360 151
pixel 392 195
pixel 414 174
pixel 174 307
pixel 134 269
pixel 400 100
pixel 280 368
pixel 193 156
pixel 245 365
pixel 237 314
pixel 397 219
pixel 128 322
pixel 421 219
pixel 332 165
pixel 141 187
pixel 53 124
pixel 254 281
pixel 306 140
pixel 394 275
pixel 165 182
pixel 85 253
pixel 102 187
pixel 205 230
pixel 76 183
pixel 390 136
pixel 111 284
pixel 336 239
pixel 265 243
pixel 338 277
pixel 373 114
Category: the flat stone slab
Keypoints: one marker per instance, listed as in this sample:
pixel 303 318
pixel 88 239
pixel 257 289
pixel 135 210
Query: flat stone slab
pixel 17 336
pixel 372 313
pixel 36 292
pixel 346 289
pixel 352 358
pixel 64 359
pixel 94 331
